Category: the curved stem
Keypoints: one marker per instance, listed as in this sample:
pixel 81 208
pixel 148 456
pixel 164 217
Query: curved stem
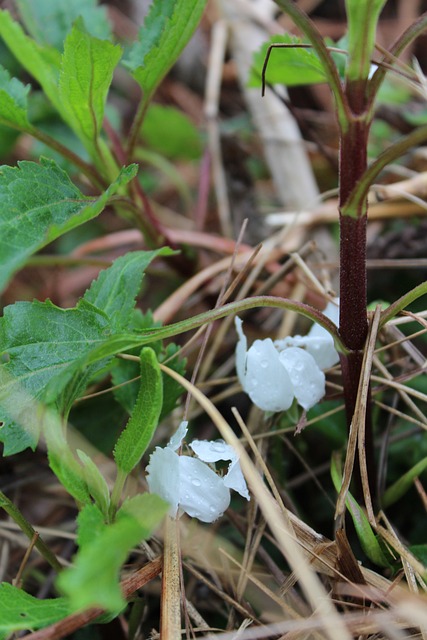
pixel 360 192
pixel 405 39
pixel 401 304
pixel 29 531
pixel 310 30
pixel 120 343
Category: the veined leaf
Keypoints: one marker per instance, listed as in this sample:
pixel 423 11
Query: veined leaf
pixel 20 611
pixel 39 340
pixel 142 424
pixel 94 578
pixel 168 27
pixel 13 101
pixel 86 74
pixel 49 22
pixel 38 203
pixel 289 65
pixel 115 289
pixel 42 62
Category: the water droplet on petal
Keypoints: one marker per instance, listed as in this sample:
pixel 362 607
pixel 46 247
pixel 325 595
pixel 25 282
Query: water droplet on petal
pixel 264 364
pixel 196 482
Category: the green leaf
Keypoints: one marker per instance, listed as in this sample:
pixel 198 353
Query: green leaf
pixel 171 133
pixel 49 22
pixel 115 289
pixel 86 74
pixel 97 485
pixel 168 27
pixel 20 611
pixel 38 203
pixel 42 62
pixel 143 422
pixel 13 101
pixel 401 486
pixel 38 339
pixel 127 370
pixel 367 538
pixel 93 580
pixel 291 66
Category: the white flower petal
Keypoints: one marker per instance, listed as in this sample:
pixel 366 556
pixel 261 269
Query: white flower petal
pixel 332 311
pixel 179 435
pixel 267 382
pixel 202 494
pixel 163 476
pixel 308 380
pixel 241 349
pixel 213 450
pixel 235 479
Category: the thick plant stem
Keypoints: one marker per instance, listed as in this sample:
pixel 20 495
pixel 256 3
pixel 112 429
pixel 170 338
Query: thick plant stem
pixel 353 276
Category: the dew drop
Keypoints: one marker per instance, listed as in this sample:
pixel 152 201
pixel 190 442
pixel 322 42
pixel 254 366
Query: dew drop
pixel 196 482
pixel 264 364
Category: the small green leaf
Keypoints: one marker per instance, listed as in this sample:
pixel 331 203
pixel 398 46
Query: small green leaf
pixel 86 74
pixel 42 62
pixel 291 66
pixel 90 525
pixel 168 27
pixel 367 538
pixel 49 22
pixel 13 101
pixel 38 203
pixel 142 424
pixel 401 486
pixel 20 611
pixel 97 485
pixel 115 289
pixel 93 580
pixel 171 133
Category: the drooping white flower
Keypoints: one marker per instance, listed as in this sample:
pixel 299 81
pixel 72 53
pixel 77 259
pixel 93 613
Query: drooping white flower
pixel 274 373
pixel 189 484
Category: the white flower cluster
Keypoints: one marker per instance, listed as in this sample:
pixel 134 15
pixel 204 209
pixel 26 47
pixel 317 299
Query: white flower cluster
pixel 274 373
pixel 189 484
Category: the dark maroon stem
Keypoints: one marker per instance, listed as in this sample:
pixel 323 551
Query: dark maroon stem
pixel 353 279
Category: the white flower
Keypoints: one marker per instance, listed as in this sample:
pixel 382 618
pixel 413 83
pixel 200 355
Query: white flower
pixel 191 485
pixel 274 373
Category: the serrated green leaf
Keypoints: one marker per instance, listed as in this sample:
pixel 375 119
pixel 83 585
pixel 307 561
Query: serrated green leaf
pixel 38 203
pixel 21 611
pixel 13 101
pixel 401 486
pixel 42 62
pixel 168 27
pixel 97 485
pixel 49 22
pixel 291 66
pixel 116 288
pixel 86 74
pixel 367 538
pixel 93 580
pixel 39 339
pixel 143 422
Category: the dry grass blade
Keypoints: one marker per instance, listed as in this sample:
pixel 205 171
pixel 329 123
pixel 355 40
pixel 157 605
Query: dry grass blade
pixel 357 429
pixel 170 618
